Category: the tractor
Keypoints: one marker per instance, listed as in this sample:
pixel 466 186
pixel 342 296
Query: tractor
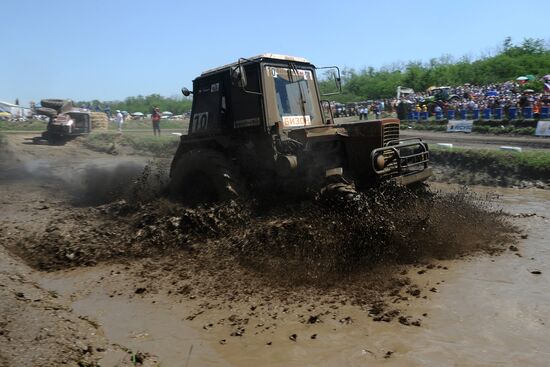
pixel 66 122
pixel 258 127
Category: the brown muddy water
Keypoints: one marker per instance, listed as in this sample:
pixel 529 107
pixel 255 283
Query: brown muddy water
pixel 481 311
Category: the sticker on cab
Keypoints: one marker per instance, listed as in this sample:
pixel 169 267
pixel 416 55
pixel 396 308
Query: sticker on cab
pixel 294 121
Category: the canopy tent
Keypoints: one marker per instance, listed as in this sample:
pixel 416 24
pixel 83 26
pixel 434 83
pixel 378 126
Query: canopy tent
pixel 15 110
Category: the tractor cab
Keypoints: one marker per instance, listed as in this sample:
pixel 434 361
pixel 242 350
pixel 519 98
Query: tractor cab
pixel 256 94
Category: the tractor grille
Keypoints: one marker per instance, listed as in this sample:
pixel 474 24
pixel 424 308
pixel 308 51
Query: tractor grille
pixel 390 132
pixel 390 136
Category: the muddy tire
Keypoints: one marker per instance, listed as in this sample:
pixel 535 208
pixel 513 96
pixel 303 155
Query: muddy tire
pixel 45 111
pixel 55 104
pixel 337 189
pixel 204 176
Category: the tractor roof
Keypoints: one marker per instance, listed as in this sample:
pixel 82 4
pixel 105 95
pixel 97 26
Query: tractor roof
pixel 258 58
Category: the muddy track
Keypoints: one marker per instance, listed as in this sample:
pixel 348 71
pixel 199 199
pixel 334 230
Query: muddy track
pixel 230 285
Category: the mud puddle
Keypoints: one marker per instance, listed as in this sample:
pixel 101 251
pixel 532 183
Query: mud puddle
pixel 151 328
pixel 478 311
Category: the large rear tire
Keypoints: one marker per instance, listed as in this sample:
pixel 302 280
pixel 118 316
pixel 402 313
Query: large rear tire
pixel 45 111
pixel 56 104
pixel 205 176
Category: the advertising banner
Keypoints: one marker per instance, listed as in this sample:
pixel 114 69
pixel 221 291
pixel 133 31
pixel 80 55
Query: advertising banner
pixel 543 128
pixel 460 126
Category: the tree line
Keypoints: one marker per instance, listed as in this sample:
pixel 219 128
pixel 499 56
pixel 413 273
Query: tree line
pixel 143 104
pixel 532 56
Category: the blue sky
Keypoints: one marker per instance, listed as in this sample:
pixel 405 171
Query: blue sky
pixel 110 50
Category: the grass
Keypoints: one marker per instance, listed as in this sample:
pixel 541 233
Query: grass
pixel 510 130
pixel 431 126
pixel 38 125
pixel 533 164
pixel 31 125
pixel 163 146
pixel 488 127
pixel 146 124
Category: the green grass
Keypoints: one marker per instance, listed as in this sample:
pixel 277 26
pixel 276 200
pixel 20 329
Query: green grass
pixel 431 126
pixel 147 125
pixel 505 130
pixel 38 125
pixel 532 164
pixel 502 128
pixel 31 125
pixel 163 146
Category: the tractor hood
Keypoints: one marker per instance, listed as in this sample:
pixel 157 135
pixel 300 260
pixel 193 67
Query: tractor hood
pixel 371 148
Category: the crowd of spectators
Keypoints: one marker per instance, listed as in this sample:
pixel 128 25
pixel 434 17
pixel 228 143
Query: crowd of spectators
pixel 466 97
pixel 471 97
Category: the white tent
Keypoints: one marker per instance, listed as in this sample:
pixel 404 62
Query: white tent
pixel 15 110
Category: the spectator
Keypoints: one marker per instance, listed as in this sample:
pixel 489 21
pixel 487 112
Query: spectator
pixel 119 119
pixel 155 118
pixel 376 111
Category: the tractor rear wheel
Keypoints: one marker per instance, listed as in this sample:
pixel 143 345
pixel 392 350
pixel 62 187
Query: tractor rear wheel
pixel 205 176
pixel 45 111
pixel 56 104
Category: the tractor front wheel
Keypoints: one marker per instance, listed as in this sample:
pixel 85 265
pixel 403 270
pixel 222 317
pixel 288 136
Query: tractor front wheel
pixel 204 176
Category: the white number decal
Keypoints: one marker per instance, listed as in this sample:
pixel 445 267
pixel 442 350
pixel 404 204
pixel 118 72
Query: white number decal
pixel 200 121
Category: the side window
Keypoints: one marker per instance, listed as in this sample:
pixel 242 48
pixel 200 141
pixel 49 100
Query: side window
pixel 247 107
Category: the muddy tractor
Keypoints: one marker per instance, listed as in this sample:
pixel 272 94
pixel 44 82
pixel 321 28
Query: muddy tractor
pixel 258 127
pixel 66 122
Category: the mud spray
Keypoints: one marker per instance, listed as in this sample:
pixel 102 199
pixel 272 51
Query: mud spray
pixel 310 242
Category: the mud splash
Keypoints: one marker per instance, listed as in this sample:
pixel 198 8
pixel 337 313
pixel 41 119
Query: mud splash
pixel 393 226
pixel 134 182
pixel 308 242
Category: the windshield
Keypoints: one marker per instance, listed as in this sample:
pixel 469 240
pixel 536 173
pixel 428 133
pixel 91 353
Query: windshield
pixel 295 96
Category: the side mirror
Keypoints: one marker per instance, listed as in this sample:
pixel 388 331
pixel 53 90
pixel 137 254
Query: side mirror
pixel 186 92
pixel 238 75
pixel 333 72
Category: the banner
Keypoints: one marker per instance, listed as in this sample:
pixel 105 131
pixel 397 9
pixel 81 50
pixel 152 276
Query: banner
pixel 543 128
pixel 460 126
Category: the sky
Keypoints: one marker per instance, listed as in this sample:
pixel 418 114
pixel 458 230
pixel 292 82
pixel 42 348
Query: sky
pixel 112 49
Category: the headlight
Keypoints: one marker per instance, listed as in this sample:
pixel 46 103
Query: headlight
pixel 380 162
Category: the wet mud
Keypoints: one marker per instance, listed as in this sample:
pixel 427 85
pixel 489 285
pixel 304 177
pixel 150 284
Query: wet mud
pixel 295 278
